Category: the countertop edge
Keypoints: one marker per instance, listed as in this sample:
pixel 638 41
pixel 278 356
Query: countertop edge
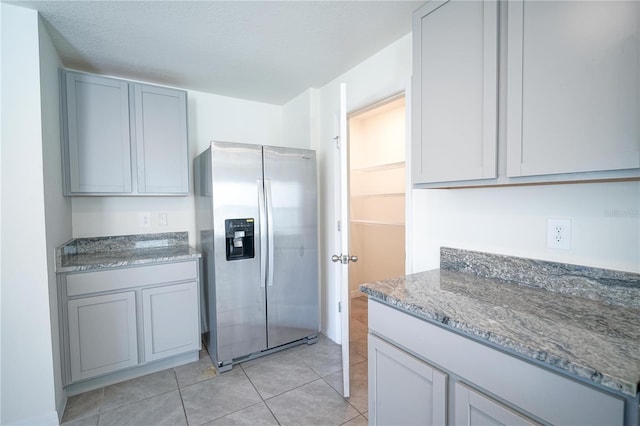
pixel 127 263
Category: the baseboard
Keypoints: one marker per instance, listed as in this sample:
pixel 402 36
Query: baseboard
pixel 132 373
pixel 61 405
pixel 50 418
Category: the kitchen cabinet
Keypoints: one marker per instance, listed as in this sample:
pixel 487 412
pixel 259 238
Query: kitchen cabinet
pixel 125 322
pixel 123 138
pixel 489 385
pixel 170 315
pixel 565 101
pixel 403 389
pixel 455 95
pixel 573 87
pixel 161 140
pixel 473 408
pixel 102 334
pixel 97 152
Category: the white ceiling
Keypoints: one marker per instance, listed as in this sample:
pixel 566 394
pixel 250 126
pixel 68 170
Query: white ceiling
pixel 267 51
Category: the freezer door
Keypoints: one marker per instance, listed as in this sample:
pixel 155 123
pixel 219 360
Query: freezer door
pixel 292 278
pixel 239 290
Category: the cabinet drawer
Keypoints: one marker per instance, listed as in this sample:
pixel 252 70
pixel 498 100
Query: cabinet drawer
pixel 117 279
pixel 535 390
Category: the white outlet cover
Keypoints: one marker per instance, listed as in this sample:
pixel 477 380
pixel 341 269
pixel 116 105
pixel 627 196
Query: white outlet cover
pixel 559 234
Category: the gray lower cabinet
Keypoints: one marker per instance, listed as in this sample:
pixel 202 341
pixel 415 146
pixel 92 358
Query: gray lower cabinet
pixel 403 390
pixel 420 373
pixel 472 408
pixel 170 315
pixel 124 322
pixel 102 334
pixel 122 137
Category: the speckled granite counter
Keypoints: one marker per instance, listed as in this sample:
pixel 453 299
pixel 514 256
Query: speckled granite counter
pixel 88 254
pixel 585 321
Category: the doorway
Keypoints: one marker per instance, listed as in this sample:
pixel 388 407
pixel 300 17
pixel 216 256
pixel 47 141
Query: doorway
pixel 377 213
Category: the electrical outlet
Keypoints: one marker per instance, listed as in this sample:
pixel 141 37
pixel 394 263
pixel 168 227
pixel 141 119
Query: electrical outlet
pixel 145 220
pixel 559 234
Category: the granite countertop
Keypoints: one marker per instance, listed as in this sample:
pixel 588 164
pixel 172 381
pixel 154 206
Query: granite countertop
pixel 585 321
pixel 91 254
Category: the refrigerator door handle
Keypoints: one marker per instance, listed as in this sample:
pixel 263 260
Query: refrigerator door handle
pixel 263 233
pixel 270 256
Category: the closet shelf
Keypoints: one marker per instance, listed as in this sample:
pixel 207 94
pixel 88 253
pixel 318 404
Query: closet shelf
pixel 380 195
pixel 376 222
pixel 379 167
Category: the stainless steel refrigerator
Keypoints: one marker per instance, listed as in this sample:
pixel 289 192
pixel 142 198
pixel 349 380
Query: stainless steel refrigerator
pixel 256 219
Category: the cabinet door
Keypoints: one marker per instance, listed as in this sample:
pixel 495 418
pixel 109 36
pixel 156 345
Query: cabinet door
pixel 473 408
pixel 102 334
pixel 170 320
pixel 573 87
pixel 403 390
pixel 455 91
pixel 98 144
pixel 161 140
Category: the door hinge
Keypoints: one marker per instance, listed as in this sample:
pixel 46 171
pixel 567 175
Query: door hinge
pixel 337 139
pixel 339 306
pixel 339 227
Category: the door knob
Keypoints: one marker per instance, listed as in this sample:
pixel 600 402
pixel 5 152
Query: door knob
pixel 344 259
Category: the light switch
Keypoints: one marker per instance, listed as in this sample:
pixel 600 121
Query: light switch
pixel 162 219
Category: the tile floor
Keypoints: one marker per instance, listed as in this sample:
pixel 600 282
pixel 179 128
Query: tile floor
pixel 298 386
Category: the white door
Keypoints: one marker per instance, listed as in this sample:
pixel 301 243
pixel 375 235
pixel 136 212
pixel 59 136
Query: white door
pixel 342 256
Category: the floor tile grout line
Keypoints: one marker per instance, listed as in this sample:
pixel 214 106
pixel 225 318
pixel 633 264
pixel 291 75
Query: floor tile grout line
pixel 184 409
pixel 264 401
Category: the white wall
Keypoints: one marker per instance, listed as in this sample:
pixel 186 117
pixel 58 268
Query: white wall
pixel 381 76
pixel 297 119
pixel 605 227
pixel 28 390
pixel 211 117
pixel 57 207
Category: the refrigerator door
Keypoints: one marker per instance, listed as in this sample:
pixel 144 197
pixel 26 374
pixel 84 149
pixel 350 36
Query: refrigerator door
pixel 292 269
pixel 239 289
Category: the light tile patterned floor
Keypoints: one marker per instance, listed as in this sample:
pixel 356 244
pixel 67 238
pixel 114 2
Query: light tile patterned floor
pixel 298 386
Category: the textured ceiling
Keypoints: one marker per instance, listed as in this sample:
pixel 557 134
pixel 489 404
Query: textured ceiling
pixel 267 51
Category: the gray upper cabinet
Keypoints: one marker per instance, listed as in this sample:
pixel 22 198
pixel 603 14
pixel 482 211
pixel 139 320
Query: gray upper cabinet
pixel 573 87
pixel 525 92
pixel 161 140
pixel 455 91
pixel 97 155
pixel 123 138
